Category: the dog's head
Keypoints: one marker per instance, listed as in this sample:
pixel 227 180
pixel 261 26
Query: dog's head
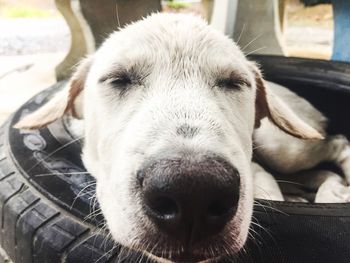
pixel 169 108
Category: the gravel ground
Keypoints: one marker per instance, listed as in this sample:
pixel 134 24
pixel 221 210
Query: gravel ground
pixel 312 42
pixel 306 36
pixel 32 36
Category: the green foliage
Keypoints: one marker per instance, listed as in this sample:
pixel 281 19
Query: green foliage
pixel 177 5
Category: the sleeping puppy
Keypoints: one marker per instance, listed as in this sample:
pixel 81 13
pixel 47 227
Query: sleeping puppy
pixel 171 108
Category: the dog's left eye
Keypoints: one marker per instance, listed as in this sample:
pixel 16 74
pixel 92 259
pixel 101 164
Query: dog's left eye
pixel 232 83
pixel 119 79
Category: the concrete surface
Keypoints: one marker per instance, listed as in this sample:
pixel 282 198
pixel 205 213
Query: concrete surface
pixel 30 49
pixel 23 76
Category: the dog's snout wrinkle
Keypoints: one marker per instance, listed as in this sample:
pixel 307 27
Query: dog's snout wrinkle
pixel 190 201
pixel 187 131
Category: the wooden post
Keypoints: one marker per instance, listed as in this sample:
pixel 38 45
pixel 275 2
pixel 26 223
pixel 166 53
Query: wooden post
pixel 91 21
pixel 258 28
pixel 81 44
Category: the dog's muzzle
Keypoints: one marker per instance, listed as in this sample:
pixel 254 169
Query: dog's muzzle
pixel 189 201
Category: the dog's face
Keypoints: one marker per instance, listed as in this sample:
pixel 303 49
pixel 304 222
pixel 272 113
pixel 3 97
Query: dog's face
pixel 169 108
pixel 171 98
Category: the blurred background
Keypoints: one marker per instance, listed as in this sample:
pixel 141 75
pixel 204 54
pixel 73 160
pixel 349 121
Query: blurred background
pixel 35 37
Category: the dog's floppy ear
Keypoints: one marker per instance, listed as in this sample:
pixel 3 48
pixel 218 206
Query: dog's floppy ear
pixel 64 102
pixel 270 106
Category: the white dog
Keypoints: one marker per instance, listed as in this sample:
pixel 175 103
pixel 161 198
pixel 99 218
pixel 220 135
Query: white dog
pixel 171 108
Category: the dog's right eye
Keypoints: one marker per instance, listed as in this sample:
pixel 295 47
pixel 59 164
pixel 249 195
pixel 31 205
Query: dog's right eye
pixel 121 81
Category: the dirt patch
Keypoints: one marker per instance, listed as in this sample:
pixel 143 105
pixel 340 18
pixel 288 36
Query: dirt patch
pixel 309 30
pixel 317 16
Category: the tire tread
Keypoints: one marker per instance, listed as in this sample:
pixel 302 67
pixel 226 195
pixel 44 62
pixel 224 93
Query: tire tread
pixel 33 229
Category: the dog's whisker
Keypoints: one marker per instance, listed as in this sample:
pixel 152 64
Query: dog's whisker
pixel 105 239
pixel 267 201
pixel 93 209
pixel 143 254
pixel 254 51
pixel 106 254
pixel 212 251
pixel 289 182
pixel 92 199
pixel 93 215
pixel 258 146
pixel 241 33
pixel 266 207
pixel 98 232
pixel 251 236
pixel 267 194
pixel 272 208
pixel 266 231
pixel 71 173
pixel 117 14
pixel 55 151
pixel 86 192
pixel 257 242
pixel 80 193
pixel 254 233
pixel 250 42
pixel 124 254
pixel 227 247
pixel 121 255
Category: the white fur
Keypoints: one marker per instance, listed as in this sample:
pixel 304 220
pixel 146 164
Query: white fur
pixel 180 57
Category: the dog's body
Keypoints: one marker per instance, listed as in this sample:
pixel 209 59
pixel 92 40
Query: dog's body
pixel 288 155
pixel 171 109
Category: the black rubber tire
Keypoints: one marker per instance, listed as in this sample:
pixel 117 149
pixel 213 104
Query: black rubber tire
pixel 39 222
pixel 35 228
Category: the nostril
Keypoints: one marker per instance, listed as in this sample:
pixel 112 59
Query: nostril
pixel 163 207
pixel 218 209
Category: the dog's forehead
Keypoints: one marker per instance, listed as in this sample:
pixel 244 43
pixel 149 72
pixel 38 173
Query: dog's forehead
pixel 171 39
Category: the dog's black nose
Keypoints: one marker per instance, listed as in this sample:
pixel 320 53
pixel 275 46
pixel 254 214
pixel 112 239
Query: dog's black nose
pixel 190 200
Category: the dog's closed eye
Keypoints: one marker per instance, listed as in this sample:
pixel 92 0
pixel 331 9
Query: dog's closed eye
pixel 234 81
pixel 120 81
pixel 118 78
